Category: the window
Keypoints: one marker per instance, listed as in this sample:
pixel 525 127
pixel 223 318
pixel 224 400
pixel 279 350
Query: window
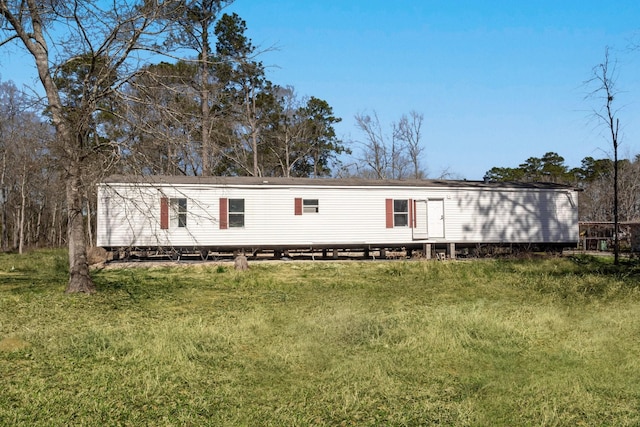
pixel 178 212
pixel 236 212
pixel 400 213
pixel 306 206
pixel 310 206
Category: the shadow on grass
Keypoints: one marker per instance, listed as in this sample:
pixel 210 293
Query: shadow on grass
pixel 627 268
pixel 31 272
pixel 586 278
pixel 125 287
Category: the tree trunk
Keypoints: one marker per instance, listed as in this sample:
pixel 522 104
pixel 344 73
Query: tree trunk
pixel 3 196
pixel 71 150
pixel 16 229
pixel 616 237
pixel 254 148
pixel 79 278
pixel 52 232
pixel 37 237
pixel 23 202
pixel 5 222
pixel 204 107
pixel 89 225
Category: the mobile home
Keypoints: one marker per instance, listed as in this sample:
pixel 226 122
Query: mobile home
pixel 250 213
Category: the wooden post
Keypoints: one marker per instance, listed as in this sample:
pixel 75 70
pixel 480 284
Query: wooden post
pixel 427 250
pixel 452 251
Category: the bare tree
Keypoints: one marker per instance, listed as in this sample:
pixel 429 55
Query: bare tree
pixel 375 153
pixel 604 78
pixel 301 136
pixel 29 192
pixel 391 158
pixel 27 156
pixel 409 131
pixel 288 133
pixel 104 37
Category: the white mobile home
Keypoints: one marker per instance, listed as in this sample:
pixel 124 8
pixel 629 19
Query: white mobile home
pixel 248 213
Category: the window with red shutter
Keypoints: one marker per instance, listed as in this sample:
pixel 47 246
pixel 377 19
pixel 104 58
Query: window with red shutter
pixel 306 206
pixel 399 213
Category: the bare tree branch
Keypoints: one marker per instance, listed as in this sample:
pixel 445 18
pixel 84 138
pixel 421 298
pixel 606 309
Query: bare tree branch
pixel 604 79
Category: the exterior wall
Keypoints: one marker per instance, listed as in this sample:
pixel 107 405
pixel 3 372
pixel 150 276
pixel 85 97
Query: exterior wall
pixel 129 215
pixel 513 216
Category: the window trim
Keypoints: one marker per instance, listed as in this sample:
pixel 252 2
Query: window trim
pixel 401 213
pixel 178 210
pixel 306 206
pixel 310 206
pixel 236 214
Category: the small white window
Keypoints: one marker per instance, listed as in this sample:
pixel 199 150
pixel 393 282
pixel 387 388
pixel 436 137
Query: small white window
pixel 178 209
pixel 310 206
pixel 400 213
pixel 236 213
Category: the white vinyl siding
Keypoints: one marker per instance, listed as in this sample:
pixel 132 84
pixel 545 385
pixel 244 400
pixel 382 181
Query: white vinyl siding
pixel 129 215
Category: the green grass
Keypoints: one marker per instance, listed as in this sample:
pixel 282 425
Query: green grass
pixel 482 343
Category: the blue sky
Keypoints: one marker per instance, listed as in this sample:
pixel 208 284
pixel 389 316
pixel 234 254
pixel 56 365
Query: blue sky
pixel 496 81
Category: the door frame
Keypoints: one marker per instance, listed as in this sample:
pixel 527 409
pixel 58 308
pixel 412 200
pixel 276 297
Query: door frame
pixel 421 229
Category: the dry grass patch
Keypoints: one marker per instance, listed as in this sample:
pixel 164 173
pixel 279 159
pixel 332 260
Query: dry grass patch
pixel 10 344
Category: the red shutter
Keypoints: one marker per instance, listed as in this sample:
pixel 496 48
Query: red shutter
pixel 410 207
pixel 297 209
pixel 389 212
pixel 224 211
pixel 164 213
pixel 415 222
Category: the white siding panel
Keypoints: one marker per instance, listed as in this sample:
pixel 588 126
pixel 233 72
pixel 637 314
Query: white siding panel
pixel 513 216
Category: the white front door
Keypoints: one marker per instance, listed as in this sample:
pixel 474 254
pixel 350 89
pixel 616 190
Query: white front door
pixel 435 218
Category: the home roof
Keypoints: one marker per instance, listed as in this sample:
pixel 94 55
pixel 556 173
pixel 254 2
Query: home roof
pixel 338 182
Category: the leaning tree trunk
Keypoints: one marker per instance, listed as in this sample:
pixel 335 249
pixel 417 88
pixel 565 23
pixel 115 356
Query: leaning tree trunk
pixel 79 278
pixel 70 150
